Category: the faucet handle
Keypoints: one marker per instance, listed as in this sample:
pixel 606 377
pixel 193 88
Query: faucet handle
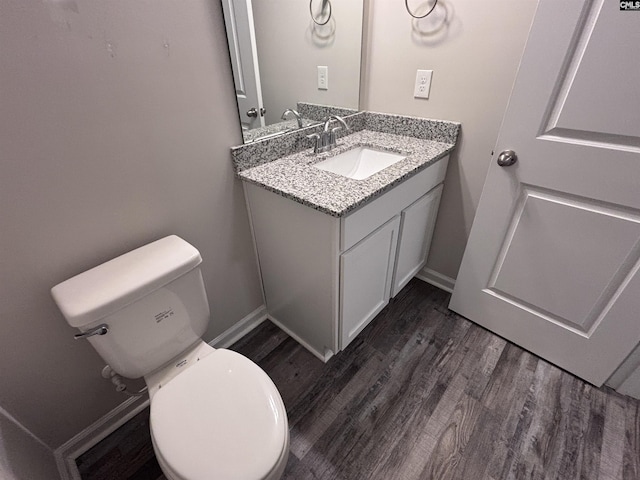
pixel 316 144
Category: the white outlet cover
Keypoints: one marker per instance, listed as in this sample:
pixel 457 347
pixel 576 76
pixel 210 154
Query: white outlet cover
pixel 423 84
pixel 323 78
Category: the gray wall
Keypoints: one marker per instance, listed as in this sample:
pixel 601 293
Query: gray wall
pixel 116 119
pixel 22 456
pixel 474 55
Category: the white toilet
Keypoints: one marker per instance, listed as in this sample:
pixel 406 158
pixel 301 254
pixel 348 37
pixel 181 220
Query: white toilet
pixel 214 413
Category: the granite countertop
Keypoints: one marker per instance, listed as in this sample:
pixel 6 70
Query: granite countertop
pixel 294 176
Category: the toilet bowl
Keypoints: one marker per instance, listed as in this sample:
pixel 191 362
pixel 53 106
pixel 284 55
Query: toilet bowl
pixel 200 433
pixel 214 413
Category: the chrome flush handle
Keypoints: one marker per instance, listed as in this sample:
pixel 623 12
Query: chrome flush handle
pixel 101 329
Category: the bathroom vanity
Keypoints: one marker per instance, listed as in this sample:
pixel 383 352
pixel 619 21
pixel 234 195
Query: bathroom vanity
pixel 333 250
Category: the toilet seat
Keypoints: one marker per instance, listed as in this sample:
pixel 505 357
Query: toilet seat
pixel 221 418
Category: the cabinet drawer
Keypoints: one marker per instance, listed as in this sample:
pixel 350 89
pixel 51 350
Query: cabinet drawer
pixel 363 221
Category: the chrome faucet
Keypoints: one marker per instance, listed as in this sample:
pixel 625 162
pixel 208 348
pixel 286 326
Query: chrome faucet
pixel 326 140
pixel 295 114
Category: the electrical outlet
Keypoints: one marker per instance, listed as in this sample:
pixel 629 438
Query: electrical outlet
pixel 323 78
pixel 423 84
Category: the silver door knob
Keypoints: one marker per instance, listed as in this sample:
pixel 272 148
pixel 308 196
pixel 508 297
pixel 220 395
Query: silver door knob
pixel 507 158
pixel 252 112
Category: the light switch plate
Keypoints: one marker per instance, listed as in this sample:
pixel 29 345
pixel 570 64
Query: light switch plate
pixel 323 78
pixel 423 84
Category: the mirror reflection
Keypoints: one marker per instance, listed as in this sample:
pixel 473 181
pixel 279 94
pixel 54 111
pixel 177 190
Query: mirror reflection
pixel 291 58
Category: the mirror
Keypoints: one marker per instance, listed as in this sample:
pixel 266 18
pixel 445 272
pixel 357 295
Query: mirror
pixel 285 59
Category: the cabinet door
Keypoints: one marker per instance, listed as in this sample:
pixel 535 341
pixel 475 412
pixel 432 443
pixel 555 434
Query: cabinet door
pixel 365 279
pixel 416 229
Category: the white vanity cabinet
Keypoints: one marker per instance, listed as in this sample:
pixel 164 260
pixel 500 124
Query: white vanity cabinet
pixel 324 277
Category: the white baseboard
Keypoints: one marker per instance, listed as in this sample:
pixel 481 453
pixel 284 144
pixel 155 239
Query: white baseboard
pixel 322 356
pixel 240 329
pixel 437 279
pixel 67 453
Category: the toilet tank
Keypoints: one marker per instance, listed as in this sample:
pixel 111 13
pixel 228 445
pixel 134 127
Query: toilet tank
pixel 152 299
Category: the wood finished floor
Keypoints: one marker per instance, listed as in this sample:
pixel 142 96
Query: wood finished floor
pixel 422 394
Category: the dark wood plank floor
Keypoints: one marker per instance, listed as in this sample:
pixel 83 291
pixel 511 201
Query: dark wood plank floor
pixel 423 394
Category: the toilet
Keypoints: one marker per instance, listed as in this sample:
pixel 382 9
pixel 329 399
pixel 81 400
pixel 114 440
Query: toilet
pixel 214 413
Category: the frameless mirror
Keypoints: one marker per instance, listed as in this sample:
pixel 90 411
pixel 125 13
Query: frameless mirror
pixel 293 55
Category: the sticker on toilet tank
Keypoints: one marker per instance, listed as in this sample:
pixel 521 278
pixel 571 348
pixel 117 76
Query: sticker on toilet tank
pixel 163 315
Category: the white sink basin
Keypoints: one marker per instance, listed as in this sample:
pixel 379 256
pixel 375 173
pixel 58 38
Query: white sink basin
pixel 359 163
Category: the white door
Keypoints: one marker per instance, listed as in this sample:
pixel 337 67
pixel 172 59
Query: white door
pixel 553 256
pixel 238 20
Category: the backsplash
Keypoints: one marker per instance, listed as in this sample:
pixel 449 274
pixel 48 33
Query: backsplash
pixel 316 112
pixel 267 150
pixel 259 133
pixel 423 128
pixel 310 114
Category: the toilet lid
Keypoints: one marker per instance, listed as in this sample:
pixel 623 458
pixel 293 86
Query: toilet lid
pixel 221 418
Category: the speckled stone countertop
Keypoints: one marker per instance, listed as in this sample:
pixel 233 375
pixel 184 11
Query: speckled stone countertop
pixel 294 176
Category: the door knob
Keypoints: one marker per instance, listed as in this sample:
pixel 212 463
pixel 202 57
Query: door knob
pixel 507 158
pixel 253 112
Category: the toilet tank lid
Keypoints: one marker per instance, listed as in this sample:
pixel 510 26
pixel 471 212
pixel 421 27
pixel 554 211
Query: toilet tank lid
pixel 104 289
